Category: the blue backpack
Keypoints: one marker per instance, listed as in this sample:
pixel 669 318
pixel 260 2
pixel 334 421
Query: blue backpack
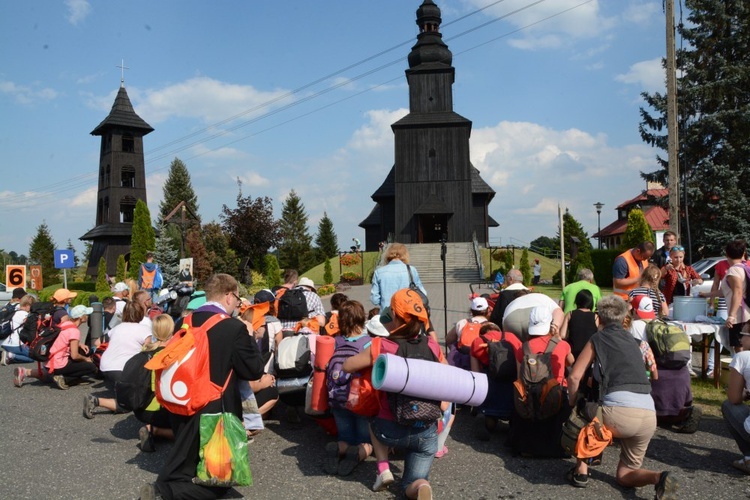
pixel 337 380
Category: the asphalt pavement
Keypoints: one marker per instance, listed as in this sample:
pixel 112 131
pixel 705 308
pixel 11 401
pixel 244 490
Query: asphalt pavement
pixel 50 451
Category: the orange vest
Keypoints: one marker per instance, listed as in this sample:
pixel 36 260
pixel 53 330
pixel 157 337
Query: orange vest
pixel 147 278
pixel 633 270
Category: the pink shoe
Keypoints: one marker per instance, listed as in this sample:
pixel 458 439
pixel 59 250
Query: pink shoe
pixel 19 374
pixel 442 453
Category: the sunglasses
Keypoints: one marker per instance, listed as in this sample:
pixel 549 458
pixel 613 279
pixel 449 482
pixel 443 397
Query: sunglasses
pixel 237 297
pixel 677 249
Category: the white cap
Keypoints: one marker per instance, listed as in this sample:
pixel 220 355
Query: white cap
pixel 80 311
pixel 306 282
pixel 540 320
pixel 479 304
pixel 375 327
pixel 120 287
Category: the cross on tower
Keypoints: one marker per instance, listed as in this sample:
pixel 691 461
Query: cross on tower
pixel 122 72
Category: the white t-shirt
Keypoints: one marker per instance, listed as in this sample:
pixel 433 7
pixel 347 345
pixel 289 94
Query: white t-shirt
pixel 638 330
pixel 119 305
pixel 529 301
pixel 462 323
pixel 741 363
pixel 125 341
pixel 15 323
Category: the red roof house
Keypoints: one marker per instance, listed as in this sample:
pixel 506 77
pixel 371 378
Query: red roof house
pixel 656 216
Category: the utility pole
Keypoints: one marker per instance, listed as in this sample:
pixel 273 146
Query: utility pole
pixel 672 137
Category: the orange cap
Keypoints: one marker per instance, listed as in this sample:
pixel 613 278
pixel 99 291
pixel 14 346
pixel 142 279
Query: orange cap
pixel 407 304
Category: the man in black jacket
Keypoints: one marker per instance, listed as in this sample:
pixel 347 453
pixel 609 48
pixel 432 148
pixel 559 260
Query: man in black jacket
pixel 232 353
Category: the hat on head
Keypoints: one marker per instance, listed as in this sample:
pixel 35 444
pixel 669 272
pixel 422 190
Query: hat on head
pixel 479 304
pixel 63 294
pixel 407 304
pixel 375 327
pixel 120 286
pixel 307 282
pixel 386 316
pixel 264 295
pixel 540 320
pixel 643 307
pixel 18 293
pixel 80 311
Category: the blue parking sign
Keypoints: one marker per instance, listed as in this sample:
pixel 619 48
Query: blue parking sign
pixel 64 259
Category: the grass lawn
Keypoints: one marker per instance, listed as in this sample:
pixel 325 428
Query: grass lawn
pixel 707 397
pixel 370 260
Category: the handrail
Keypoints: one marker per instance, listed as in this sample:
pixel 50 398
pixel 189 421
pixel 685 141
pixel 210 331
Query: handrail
pixel 477 254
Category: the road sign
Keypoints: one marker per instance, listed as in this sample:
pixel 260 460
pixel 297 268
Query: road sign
pixel 15 277
pixel 36 282
pixel 64 259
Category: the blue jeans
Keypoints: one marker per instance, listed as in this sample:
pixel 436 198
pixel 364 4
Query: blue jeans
pixel 420 444
pixel 20 353
pixel 352 429
pixel 734 416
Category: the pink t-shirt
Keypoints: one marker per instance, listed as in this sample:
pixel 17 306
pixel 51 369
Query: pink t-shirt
pixel 60 351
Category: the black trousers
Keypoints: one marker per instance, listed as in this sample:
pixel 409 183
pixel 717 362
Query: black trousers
pixel 76 369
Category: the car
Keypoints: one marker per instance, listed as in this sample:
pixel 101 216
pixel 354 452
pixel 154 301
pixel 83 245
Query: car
pixel 706 268
pixel 5 294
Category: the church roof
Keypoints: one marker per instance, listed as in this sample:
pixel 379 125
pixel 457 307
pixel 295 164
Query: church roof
pixel 432 118
pixel 388 188
pixel 108 230
pixel 374 218
pixel 122 114
pixel 478 186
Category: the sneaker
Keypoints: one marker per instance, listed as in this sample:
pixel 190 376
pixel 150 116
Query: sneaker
pixel 424 492
pixel 148 492
pixel 710 374
pixel 742 464
pixel 350 460
pixel 331 459
pixel 666 488
pixel 59 381
pixel 383 481
pixel 442 453
pixel 3 357
pixel 146 443
pixel 89 404
pixel 19 375
pixel 577 480
pixel 690 424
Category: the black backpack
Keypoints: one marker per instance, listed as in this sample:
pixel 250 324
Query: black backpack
pixel 133 391
pixel 293 305
pixel 36 321
pixel 502 360
pixel 537 395
pixel 6 314
pixel 40 347
pixel 411 410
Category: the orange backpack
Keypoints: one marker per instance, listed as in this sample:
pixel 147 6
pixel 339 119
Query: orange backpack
pixel 364 399
pixel 332 327
pixel 469 333
pixel 183 381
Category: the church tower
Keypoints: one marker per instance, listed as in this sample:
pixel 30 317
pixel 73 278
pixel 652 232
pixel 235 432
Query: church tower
pixel 432 189
pixel 122 182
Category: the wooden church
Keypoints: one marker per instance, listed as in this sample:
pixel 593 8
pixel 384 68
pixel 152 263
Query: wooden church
pixel 122 182
pixel 432 189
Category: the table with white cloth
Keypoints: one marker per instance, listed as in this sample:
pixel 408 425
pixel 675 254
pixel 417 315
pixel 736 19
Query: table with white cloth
pixel 703 332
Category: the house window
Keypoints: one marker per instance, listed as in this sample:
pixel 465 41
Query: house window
pixel 127 207
pixel 128 144
pixel 128 177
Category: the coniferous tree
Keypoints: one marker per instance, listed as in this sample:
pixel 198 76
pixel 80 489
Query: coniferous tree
pixel 525 267
pixel 166 256
pixel 272 272
pixel 582 259
pixel 714 124
pixel 221 257
pixel 101 277
pixel 75 256
pixel 120 268
pixel 637 230
pixel 143 239
pixel 202 269
pixel 42 252
pixel 327 272
pixel 178 187
pixel 251 227
pixel 295 249
pixel 326 242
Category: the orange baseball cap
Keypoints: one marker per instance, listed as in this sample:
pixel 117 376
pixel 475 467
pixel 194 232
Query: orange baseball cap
pixel 407 304
pixel 63 294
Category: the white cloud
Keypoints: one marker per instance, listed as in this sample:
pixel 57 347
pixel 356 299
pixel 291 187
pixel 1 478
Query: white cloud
pixel 649 75
pixel 580 22
pixel 376 133
pixel 642 12
pixel 78 10
pixel 25 94
pixel 86 198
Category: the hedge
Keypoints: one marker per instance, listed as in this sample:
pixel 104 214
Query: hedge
pixel 603 260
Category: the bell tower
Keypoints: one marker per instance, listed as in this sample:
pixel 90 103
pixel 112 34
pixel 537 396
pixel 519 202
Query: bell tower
pixel 122 182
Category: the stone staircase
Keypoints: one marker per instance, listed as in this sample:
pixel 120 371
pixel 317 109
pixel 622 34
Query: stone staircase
pixel 461 265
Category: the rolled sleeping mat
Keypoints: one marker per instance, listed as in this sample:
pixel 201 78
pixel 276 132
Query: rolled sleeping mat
pixel 96 321
pixel 428 380
pixel 324 347
pixel 287 385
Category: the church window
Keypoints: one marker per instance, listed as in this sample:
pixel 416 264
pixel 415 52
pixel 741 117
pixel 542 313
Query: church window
pixel 105 212
pixel 431 153
pixel 128 144
pixel 127 207
pixel 106 175
pixel 128 177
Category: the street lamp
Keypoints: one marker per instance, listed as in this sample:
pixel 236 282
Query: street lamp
pixel 599 206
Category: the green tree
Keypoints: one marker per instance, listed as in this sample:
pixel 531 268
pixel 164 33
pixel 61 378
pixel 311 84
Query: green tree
pixel 525 267
pixel 75 255
pixel 178 187
pixel 251 227
pixel 295 249
pixel 545 245
pixel 714 123
pixel 221 257
pixel 101 277
pixel 143 239
pixel 582 258
pixel 327 272
pixel 166 256
pixel 272 272
pixel 202 269
pixel 120 268
pixel 637 230
pixel 42 252
pixel 326 242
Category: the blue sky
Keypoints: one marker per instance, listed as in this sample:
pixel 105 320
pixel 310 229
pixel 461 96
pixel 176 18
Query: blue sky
pixel 552 88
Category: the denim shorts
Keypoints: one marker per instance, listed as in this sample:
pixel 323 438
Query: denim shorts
pixel 419 443
pixel 352 429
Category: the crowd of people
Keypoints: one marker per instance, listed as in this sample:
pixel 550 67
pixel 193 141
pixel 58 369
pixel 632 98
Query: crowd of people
pixel 544 360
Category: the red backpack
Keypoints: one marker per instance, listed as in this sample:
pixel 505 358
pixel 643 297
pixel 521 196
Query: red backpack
pixel 469 333
pixel 183 381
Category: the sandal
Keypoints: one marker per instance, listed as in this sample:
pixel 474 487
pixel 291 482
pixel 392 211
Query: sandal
pixel 742 464
pixel 577 480
pixel 350 461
